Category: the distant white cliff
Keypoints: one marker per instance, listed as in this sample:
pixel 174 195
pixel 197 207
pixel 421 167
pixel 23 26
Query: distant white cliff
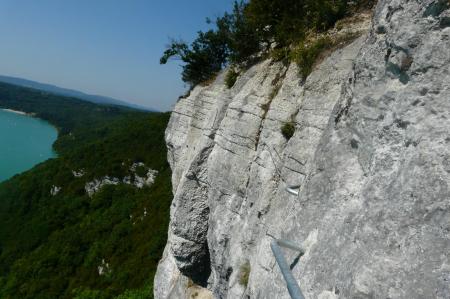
pixel 139 180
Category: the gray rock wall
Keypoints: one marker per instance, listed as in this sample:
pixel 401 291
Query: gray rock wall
pixel 371 152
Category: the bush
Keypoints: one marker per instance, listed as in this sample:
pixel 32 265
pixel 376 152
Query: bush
pixel 280 54
pixel 244 41
pixel 287 21
pixel 231 77
pixel 288 130
pixel 143 293
pixel 244 273
pixel 88 294
pixel 306 54
pixel 203 59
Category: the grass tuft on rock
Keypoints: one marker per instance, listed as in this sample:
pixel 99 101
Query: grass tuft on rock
pixel 307 53
pixel 231 77
pixel 288 130
pixel 312 51
pixel 244 273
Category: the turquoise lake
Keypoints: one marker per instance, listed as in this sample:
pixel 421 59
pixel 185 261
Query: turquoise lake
pixel 24 142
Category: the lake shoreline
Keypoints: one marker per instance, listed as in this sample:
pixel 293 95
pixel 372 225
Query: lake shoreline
pixel 16 111
pixel 29 114
pixel 26 142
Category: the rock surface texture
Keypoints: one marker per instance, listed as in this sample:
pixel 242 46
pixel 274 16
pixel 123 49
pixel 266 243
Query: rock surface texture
pixel 371 152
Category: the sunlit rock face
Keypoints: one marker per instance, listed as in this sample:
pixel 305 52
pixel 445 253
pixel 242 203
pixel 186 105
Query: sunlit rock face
pixel 371 152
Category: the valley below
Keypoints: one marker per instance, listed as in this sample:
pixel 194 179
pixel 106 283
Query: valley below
pixel 77 224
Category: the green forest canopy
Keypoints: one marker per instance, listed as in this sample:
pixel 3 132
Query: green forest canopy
pixel 53 246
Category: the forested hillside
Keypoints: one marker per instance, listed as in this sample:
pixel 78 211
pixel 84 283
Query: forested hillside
pixel 58 241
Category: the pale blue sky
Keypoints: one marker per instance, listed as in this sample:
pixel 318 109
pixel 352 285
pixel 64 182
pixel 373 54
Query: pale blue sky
pixel 105 47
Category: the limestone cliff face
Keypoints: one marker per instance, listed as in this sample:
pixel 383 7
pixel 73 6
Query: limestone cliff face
pixel 371 152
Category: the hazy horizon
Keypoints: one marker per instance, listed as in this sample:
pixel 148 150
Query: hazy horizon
pixel 107 48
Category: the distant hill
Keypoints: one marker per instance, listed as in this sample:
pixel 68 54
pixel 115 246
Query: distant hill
pixel 69 92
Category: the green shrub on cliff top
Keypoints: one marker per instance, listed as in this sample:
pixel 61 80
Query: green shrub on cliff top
pixel 257 27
